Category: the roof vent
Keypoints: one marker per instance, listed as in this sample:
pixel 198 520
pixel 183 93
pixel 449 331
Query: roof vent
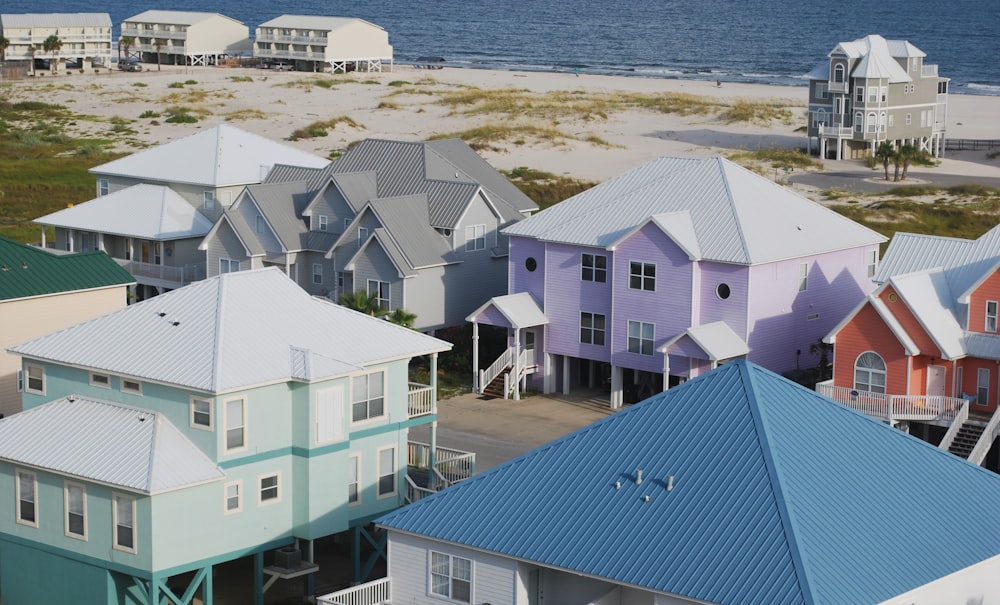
pixel 618 484
pixel 670 483
pixel 638 476
pixel 175 323
pixel 5 268
pixel 162 314
pixel 645 498
pixel 24 265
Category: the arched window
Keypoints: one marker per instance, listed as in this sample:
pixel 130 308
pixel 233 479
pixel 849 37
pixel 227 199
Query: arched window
pixel 838 73
pixel 869 373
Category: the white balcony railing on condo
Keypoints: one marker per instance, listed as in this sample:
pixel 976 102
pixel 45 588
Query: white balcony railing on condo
pixel 421 399
pixel 171 276
pixel 376 592
pixel 936 409
pixel 452 465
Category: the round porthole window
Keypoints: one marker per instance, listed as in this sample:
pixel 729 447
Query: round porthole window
pixel 723 291
pixel 530 263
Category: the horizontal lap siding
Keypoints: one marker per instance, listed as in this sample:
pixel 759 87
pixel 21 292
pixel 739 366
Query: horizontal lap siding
pixel 911 324
pixel 868 332
pixel 783 321
pixel 522 280
pixel 988 290
pixel 224 244
pixel 732 310
pixel 335 207
pixel 375 264
pixel 567 295
pixel 470 284
pixel 422 297
pixel 493 578
pixel 668 307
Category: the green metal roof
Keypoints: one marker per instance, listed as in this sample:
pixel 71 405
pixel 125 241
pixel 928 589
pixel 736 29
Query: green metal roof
pixel 26 271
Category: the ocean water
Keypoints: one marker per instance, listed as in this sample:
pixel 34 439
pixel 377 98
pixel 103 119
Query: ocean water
pixel 760 41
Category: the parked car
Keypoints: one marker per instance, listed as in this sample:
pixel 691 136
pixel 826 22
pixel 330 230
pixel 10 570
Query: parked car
pixel 130 65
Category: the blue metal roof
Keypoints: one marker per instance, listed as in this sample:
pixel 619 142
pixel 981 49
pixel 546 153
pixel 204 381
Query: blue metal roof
pixel 780 496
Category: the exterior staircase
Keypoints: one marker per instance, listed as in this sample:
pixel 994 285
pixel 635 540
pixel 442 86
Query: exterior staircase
pixel 496 386
pixel 967 437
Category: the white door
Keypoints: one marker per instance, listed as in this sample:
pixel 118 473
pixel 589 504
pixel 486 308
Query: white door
pixel 935 381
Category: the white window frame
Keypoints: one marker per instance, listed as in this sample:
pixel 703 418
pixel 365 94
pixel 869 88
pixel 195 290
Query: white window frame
pixel 101 381
pixel 983 386
pixel 317 273
pixel 18 509
pixel 991 316
pixel 195 414
pixel 115 498
pixel 208 200
pixel 226 265
pixel 803 277
pixel 261 501
pixel 641 342
pixel 645 278
pixel 869 372
pixel 859 94
pixel 591 271
pixel 20 381
pixel 369 399
pixel 873 94
pixel 126 386
pixel 260 225
pixel 382 474
pixel 362 235
pixel 242 427
pixel 592 330
pixel 103 187
pixel 838 73
pixel 28 379
pixel 68 486
pixel 872 263
pixel 909 118
pixel 475 238
pixel 322 222
pixel 450 577
pixel 226 497
pixel 354 464
pixel 822 90
pixel 382 294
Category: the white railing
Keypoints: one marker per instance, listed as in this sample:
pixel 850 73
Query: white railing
pixel 421 399
pixel 453 465
pixel 496 368
pixel 376 592
pixel 175 275
pixel 929 71
pixel 956 426
pixel 937 409
pixel 415 493
pixel 978 453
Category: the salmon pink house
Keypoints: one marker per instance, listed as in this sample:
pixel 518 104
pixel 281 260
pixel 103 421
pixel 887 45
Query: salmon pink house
pixel 922 351
pixel 660 274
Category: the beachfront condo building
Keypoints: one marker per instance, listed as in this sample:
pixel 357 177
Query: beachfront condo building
pixel 873 90
pixel 84 39
pixel 312 43
pixel 183 37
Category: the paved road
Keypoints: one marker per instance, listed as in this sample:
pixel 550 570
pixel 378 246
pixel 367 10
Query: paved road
pixel 862 180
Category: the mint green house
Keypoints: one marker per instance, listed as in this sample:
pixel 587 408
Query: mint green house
pixel 225 419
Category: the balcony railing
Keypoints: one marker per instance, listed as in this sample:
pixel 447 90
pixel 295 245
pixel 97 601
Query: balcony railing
pixel 171 277
pixel 376 592
pixel 452 465
pixel 422 399
pixel 936 409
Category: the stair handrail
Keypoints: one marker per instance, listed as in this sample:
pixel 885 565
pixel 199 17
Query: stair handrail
pixel 415 493
pixel 956 425
pixel 978 453
pixel 489 374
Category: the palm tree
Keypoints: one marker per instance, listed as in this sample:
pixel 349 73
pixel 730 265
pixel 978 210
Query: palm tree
pixel 4 43
pixel 360 301
pixel 908 152
pixel 32 49
pixel 883 154
pixel 157 44
pixel 402 317
pixel 125 45
pixel 53 45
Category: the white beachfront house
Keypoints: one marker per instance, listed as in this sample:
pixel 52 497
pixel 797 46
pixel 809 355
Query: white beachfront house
pixel 315 43
pixel 185 37
pixel 85 38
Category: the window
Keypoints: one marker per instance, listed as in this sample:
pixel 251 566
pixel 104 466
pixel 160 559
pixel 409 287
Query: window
pixel 76 510
pixel 131 386
pixel 227 265
pixel 354 479
pixel 872 262
pixel 451 577
pixel 475 238
pixel 124 522
pixel 642 276
pixel 803 277
pixel 991 316
pixel 362 235
pixel 103 187
pixel 594 267
pixel 859 94
pixel 883 94
pixel 209 202
pixel 983 387
pixel 859 122
pixel 36 379
pixel 387 472
pixel 592 328
pixel 260 224
pixel 892 120
pixel 368 396
pixel 640 338
pixel 322 222
pixel 317 273
pixel 236 430
pixel 821 90
pixel 201 414
pixel 347 222
pixel 530 264
pixel 872 123
pixel 869 373
pixel 838 74
pixel 270 489
pixel 872 94
pixel 100 380
pixel 20 381
pixel 723 291
pixel 909 119
pixel 379 291
pixel 340 279
pixel 233 497
pixel 27 486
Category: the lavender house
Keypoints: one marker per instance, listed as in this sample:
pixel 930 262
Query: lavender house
pixel 663 272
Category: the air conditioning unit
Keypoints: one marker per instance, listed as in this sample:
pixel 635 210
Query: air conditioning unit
pixel 288 557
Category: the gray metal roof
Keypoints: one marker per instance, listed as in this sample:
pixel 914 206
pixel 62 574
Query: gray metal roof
pixel 26 20
pixel 230 332
pixel 110 443
pixel 174 17
pixel 315 22
pixel 146 211
pixel 281 205
pixel 877 58
pixel 736 216
pixel 389 247
pixel 405 220
pixel 221 156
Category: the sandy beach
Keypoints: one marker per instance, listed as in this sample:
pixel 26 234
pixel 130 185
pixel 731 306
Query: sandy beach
pixel 562 123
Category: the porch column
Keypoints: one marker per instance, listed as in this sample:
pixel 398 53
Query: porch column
pixel 434 400
pixel 258 578
pixel 565 380
pixel 516 364
pixel 71 240
pixel 309 585
pixel 666 370
pixel 100 242
pixel 432 455
pixel 475 358
pixel 43 236
pixel 616 387
pixel 548 375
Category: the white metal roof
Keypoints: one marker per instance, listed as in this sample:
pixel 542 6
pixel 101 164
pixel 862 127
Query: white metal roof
pixel 146 211
pixel 26 20
pixel 110 443
pixel 229 332
pixel 173 17
pixel 927 295
pixel 521 310
pixel 736 216
pixel 222 156
pixel 314 22
pixel 716 339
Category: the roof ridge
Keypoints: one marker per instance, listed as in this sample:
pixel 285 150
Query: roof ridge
pixel 731 204
pixel 151 462
pixel 217 337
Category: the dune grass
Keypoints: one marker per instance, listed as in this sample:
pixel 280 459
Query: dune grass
pixel 322 128
pixel 965 211
pixel 545 188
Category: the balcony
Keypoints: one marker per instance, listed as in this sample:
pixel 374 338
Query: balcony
pixel 934 409
pixel 421 400
pixel 376 592
pixel 163 276
pixel 450 467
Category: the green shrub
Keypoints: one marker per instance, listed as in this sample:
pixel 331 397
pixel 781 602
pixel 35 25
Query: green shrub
pixel 175 85
pixel 149 113
pixel 182 118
